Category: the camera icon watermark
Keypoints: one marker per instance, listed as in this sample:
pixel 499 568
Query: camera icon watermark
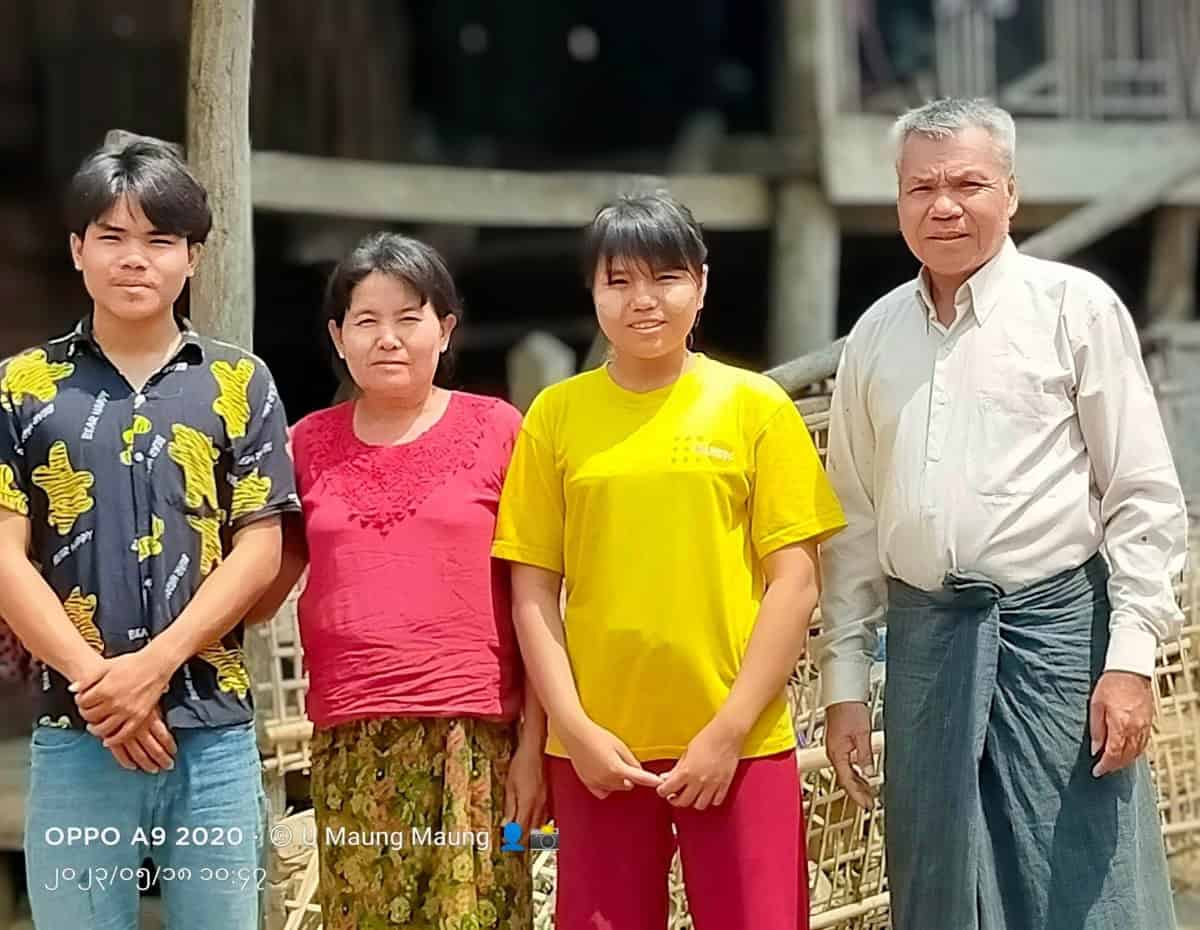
pixel 542 839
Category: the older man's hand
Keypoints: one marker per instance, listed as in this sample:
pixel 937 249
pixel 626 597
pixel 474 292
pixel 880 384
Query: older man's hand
pixel 848 746
pixel 1122 710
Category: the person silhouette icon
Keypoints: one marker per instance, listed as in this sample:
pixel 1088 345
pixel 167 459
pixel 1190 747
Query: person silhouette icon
pixel 512 838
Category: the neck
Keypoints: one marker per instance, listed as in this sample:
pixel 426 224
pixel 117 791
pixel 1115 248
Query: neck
pixel 648 374
pixel 943 288
pixel 120 337
pixel 396 406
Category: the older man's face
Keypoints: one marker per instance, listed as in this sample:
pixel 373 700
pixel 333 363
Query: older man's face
pixel 955 201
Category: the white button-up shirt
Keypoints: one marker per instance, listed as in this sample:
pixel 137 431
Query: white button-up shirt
pixel 1016 443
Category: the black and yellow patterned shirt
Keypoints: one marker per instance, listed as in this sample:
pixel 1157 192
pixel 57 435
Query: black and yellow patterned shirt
pixel 134 497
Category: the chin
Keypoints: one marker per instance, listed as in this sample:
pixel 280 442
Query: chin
pixel 383 384
pixel 649 350
pixel 137 309
pixel 939 265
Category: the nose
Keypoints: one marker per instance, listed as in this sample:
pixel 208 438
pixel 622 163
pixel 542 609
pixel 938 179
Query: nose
pixel 134 260
pixel 389 338
pixel 645 296
pixel 945 207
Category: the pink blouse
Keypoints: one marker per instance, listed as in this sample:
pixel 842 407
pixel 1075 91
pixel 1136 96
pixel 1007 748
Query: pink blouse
pixel 405 613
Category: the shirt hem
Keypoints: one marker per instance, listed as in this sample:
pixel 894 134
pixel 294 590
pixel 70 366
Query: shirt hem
pixel 412 713
pixel 821 525
pixel 658 753
pixel 538 558
pixel 272 511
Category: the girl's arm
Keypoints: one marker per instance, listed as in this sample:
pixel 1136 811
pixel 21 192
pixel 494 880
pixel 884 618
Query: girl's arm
pixel 603 763
pixel 779 636
pixel 538 620
pixel 703 775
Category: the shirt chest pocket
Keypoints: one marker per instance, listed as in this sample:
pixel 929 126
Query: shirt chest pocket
pixel 1012 437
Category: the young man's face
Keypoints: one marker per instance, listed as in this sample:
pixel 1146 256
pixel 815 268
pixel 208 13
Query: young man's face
pixel 131 269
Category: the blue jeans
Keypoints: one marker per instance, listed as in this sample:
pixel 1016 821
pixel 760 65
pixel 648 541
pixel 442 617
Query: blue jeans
pixel 90 824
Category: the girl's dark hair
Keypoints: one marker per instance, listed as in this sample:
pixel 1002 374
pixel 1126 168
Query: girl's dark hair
pixel 406 259
pixel 650 229
pixel 149 171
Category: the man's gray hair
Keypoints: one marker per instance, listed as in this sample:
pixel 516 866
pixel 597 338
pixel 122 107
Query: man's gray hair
pixel 940 119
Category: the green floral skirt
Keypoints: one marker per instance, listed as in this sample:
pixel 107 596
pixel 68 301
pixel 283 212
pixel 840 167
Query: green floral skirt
pixel 409 815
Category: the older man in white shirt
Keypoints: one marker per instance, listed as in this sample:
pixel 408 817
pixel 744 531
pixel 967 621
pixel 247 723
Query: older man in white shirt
pixel 1016 522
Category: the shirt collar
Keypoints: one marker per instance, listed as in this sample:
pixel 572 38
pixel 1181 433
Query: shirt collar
pixel 980 292
pixel 84 336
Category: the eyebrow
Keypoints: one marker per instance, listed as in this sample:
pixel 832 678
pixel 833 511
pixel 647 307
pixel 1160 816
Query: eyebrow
pixel 112 227
pixel 368 308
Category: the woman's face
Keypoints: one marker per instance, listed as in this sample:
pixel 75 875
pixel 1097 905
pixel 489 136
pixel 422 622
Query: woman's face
pixel 646 313
pixel 390 339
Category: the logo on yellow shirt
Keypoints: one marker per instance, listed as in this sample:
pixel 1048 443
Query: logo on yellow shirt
pixel 691 449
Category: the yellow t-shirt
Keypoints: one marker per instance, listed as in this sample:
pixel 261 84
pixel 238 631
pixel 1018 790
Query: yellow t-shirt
pixel 658 508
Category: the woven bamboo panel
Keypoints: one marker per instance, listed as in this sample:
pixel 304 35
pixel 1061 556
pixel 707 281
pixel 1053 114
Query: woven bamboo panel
pixel 284 730
pixel 1175 747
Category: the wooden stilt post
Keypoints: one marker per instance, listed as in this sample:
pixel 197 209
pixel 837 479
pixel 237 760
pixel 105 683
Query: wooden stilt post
pixel 1171 292
pixel 805 236
pixel 218 150
pixel 222 292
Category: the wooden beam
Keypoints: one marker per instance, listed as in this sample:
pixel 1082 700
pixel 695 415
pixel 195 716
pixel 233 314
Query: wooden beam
pixel 1063 163
pixel 290 183
pixel 1144 188
pixel 218 148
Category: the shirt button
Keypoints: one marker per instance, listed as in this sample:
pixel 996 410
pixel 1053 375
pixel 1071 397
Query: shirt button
pixel 138 400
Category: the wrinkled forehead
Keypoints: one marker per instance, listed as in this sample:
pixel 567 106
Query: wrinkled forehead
pixel 968 151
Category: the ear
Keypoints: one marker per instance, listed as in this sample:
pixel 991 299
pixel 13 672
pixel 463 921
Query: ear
pixel 1013 198
pixel 195 250
pixel 703 284
pixel 448 323
pixel 335 334
pixel 76 245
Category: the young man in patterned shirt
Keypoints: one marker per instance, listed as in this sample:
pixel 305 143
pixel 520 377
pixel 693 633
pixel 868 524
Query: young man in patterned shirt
pixel 143 478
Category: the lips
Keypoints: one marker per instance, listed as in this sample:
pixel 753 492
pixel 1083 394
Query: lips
pixel 647 326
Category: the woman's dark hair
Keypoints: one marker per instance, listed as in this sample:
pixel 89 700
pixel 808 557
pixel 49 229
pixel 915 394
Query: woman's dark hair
pixel 149 171
pixel 406 259
pixel 655 230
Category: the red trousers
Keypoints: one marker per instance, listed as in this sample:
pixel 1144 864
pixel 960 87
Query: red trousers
pixel 744 862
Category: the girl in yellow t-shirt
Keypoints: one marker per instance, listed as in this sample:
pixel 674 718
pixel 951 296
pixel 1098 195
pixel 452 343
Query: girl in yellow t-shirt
pixel 681 500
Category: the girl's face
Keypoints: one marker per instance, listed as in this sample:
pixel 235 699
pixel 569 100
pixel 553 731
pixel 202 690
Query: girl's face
pixel 646 313
pixel 390 339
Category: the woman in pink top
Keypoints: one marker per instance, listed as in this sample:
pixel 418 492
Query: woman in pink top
pixel 426 741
